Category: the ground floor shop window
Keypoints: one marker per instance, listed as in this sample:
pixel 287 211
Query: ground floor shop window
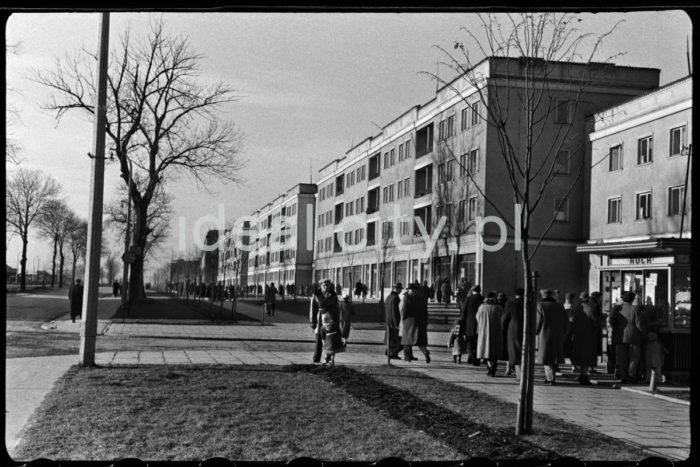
pixel 681 293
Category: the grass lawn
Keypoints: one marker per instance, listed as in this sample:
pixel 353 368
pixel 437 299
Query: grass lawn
pixel 273 413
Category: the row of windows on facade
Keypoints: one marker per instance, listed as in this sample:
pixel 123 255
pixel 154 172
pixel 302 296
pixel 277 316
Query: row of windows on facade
pixel 272 219
pixel 643 205
pixel 265 240
pixel 272 258
pixel 645 145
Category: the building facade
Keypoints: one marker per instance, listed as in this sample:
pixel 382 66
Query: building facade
pixel 408 200
pixel 281 237
pixel 640 210
pixel 233 256
pixel 210 258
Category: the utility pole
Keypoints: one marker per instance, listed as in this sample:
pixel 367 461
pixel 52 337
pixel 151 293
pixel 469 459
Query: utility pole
pixel 88 327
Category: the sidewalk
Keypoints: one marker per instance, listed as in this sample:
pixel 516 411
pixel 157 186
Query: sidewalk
pixel 660 425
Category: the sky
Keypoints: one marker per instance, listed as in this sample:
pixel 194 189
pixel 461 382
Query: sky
pixel 311 86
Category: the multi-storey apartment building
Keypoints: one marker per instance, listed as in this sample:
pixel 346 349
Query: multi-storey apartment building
pixel 442 160
pixel 233 256
pixel 210 258
pixel 640 213
pixel 281 239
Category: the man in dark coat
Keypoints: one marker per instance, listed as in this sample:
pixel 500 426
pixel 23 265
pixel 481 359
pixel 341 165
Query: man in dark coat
pixel 551 326
pixel 392 321
pixel 585 322
pixel 75 296
pixel 115 288
pixel 468 322
pixel 512 321
pixel 629 327
pixel 414 313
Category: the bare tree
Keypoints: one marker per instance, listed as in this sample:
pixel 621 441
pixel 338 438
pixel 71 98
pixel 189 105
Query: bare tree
pixel 26 194
pixel 157 222
pixel 160 117
pixel 12 147
pixel 521 108
pixel 384 251
pixel 77 241
pixel 54 222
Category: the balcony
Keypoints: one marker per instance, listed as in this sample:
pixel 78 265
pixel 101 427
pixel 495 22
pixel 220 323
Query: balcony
pixel 424 181
pixel 424 141
pixel 374 167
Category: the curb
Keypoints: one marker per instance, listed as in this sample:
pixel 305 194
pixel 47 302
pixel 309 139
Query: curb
pixel 659 396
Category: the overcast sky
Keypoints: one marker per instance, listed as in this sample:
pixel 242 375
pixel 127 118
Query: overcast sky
pixel 311 86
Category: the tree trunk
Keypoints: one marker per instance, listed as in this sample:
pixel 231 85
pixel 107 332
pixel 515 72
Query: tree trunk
pixel 75 265
pixel 60 271
pixel 139 235
pixel 527 362
pixel 53 262
pixel 23 278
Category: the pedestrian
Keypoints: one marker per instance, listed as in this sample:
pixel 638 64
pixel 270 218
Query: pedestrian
pixel 474 301
pixel 584 322
pixel 654 357
pixel 75 297
pixel 551 326
pixel 364 292
pixel 489 345
pixel 330 336
pixel 392 322
pixel 457 343
pixel 502 299
pixel 426 291
pixel 358 289
pixel 115 288
pixel 270 299
pixel 346 313
pixel 629 327
pixel 598 298
pixel 569 303
pixel 414 315
pixel 323 300
pixel 461 295
pixel 512 321
pixel 437 285
pixel 280 290
pixel 446 292
pixel 339 290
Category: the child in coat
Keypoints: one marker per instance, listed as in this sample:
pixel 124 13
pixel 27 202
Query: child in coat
pixel 654 359
pixel 330 335
pixel 457 343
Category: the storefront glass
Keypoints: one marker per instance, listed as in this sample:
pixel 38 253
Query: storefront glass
pixel 681 293
pixel 400 272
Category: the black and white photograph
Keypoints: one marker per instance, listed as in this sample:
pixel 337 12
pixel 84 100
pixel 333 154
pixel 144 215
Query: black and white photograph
pixel 378 236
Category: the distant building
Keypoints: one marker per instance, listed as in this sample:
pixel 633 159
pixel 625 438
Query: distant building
pixel 640 185
pixel 210 258
pixel 282 238
pixel 233 256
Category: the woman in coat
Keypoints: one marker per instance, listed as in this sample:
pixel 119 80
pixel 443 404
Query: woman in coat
pixel 512 321
pixel 489 341
pixel 551 326
pixel 346 313
pixel 584 325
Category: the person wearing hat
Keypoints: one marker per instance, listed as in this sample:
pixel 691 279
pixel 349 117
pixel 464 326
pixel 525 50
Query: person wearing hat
pixel 551 327
pixel 270 299
pixel 392 321
pixel 584 324
pixel 468 322
pixel 489 345
pixel 628 327
pixel 414 315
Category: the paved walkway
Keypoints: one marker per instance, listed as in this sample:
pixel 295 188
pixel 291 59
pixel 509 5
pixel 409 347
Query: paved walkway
pixel 658 424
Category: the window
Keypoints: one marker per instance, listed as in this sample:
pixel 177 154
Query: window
pixel 405 186
pixel 347 180
pixel 644 205
pixel 392 158
pixel 424 140
pixel 408 150
pixel 387 229
pixel 614 210
pixel 675 200
pixel 475 113
pixel 678 141
pixel 404 228
pixel 562 165
pixel 399 191
pixel 386 160
pixel 374 165
pixel 564 111
pixel 400 152
pixel 441 130
pixel 358 205
pixel 472 208
pixel 391 192
pixel 442 173
pixel 364 172
pixel 473 161
pixel 644 150
pixel 462 213
pixel 385 194
pixel 561 209
pixel 615 158
pixel 450 126
pixel 465 118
